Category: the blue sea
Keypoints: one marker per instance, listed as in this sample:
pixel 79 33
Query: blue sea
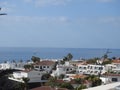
pixel 22 53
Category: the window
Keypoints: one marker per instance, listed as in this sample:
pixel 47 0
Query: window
pixel 36 66
pixel 114 79
pixel 40 67
pixel 84 67
pixel 96 72
pixel 47 66
pixel 43 66
pixel 67 69
pixel 100 68
pixel 91 67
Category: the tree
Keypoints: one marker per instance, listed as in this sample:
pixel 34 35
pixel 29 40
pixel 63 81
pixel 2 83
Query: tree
pixel 35 59
pixel 79 80
pixel 45 76
pixel 69 56
pixel 96 81
pixel 93 60
pixel 52 81
pixel 28 66
pixel 66 58
pixel 105 56
pixel 26 80
pixel 80 87
pixel 67 85
pixel 62 62
pixel 21 61
pixel 14 61
pixel 61 76
pixel 107 62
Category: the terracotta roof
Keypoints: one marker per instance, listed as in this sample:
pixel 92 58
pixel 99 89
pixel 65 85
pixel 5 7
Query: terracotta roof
pixel 83 63
pixel 112 74
pixel 48 88
pixel 59 81
pixel 47 63
pixel 116 61
pixel 78 76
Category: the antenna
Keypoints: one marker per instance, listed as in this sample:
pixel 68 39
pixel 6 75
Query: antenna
pixel 107 52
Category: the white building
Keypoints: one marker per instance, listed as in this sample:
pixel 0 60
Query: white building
pixel 63 69
pixel 4 66
pixel 44 66
pixel 91 69
pixel 110 67
pixel 33 75
pixel 13 65
pixel 116 63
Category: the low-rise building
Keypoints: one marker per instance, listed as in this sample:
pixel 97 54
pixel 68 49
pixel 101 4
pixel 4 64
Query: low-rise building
pixel 110 67
pixel 33 75
pixel 12 65
pixel 63 69
pixel 91 69
pixel 44 66
pixel 4 66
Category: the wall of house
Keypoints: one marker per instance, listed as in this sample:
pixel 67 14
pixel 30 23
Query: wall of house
pixel 114 78
pixel 20 74
pixel 46 68
pixel 91 69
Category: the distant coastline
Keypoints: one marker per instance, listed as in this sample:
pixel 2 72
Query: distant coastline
pixel 25 53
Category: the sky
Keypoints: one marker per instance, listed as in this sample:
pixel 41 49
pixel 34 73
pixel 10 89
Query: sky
pixel 60 23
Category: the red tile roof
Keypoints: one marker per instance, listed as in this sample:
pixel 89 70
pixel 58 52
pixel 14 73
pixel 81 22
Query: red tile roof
pixel 112 74
pixel 47 63
pixel 115 61
pixel 78 76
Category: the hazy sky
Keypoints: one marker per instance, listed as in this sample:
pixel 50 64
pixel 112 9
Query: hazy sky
pixel 60 23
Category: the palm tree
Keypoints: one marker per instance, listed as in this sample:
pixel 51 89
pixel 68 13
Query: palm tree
pixel 81 87
pixel 35 59
pixel 26 80
pixel 45 76
pixel 79 80
pixel 69 56
pixel 67 85
pixel 52 81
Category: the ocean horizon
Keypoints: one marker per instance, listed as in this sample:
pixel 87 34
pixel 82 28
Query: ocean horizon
pixel 25 53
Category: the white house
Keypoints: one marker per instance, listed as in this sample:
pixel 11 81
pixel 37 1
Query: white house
pixel 44 66
pixel 63 69
pixel 4 66
pixel 90 69
pixel 13 65
pixel 110 67
pixel 33 75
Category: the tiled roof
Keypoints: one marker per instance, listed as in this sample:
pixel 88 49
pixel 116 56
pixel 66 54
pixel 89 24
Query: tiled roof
pixel 47 63
pixel 112 74
pixel 78 76
pixel 48 88
pixel 115 61
pixel 59 81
